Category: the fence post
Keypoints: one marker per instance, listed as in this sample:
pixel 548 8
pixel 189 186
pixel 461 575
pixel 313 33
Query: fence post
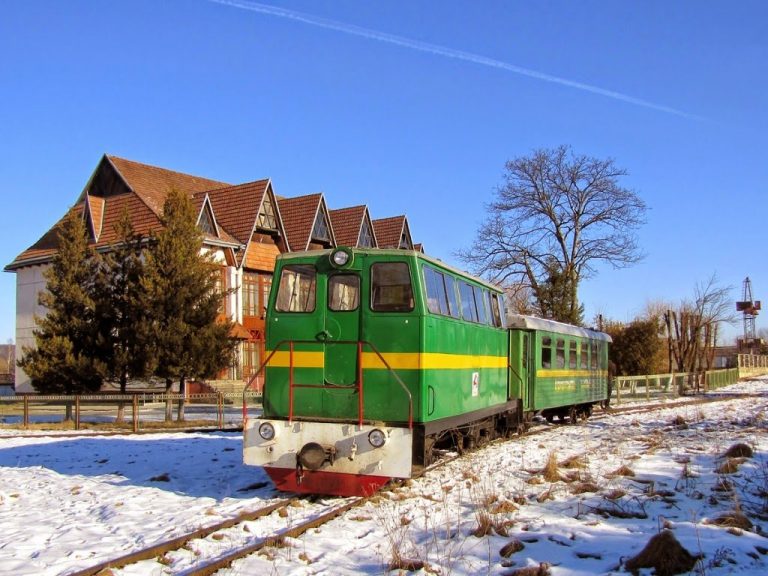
pixel 647 388
pixel 77 412
pixel 618 390
pixel 220 409
pixel 26 411
pixel 135 413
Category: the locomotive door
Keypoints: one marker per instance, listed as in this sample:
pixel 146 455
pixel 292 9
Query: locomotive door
pixel 527 370
pixel 342 329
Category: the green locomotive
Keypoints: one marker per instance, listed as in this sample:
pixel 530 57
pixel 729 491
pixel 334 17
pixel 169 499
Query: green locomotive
pixel 378 357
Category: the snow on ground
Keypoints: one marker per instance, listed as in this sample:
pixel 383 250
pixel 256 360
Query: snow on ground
pixel 69 503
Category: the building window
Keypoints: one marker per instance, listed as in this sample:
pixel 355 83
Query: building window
pixel 405 243
pixel 366 236
pixel 321 231
pixel 256 289
pixel 266 219
pixel 206 223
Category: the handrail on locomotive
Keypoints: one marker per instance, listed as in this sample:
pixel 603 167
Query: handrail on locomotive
pixel 359 384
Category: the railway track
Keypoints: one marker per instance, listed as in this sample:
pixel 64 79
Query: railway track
pixel 315 516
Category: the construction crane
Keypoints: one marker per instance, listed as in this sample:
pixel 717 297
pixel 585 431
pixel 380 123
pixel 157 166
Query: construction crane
pixel 749 308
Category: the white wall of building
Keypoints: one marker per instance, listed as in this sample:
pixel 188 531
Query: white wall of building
pixel 29 283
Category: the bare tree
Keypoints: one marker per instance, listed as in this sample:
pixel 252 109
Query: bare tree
pixel 693 327
pixel 557 215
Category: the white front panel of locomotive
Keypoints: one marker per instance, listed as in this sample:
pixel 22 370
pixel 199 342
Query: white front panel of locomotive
pixel 354 452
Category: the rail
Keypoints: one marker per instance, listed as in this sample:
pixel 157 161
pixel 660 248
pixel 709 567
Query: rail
pixel 358 385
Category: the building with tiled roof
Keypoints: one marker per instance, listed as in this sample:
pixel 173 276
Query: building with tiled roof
pixel 393 232
pixel 244 226
pixel 308 225
pixel 353 227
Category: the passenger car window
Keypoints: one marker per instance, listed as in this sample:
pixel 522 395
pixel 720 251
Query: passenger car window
pixel 343 292
pixel 572 347
pixel 546 352
pixel 296 291
pixel 560 353
pixel 584 364
pixel 391 289
pixel 480 300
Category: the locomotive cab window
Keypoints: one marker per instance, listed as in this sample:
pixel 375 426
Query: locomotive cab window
pixel 391 289
pixel 296 290
pixel 343 292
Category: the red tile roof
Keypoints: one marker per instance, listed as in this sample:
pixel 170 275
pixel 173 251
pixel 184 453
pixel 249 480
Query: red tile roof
pixel 299 216
pixel 389 230
pixel 152 184
pixel 347 223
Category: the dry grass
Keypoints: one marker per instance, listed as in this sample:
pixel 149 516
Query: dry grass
pixel 729 466
pixel 575 462
pixel 739 450
pixel 622 470
pixel 584 487
pixel 733 519
pixel 665 555
pixel 679 422
pixel 551 471
pixel 511 547
pixel 540 570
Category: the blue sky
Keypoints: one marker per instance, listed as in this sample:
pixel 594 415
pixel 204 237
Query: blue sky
pixel 407 106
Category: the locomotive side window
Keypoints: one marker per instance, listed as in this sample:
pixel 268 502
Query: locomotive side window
pixel 560 353
pixel 437 299
pixel 296 291
pixel 546 352
pixel 493 306
pixel 391 289
pixel 595 358
pixel 453 301
pixel 468 309
pixel 343 292
pixel 584 363
pixel 572 347
pixel 480 300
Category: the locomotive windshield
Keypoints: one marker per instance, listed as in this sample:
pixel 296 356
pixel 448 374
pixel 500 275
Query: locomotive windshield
pixel 296 291
pixel 343 292
pixel 391 289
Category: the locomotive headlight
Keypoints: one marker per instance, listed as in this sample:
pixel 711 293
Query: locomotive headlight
pixel 377 438
pixel 267 431
pixel 340 258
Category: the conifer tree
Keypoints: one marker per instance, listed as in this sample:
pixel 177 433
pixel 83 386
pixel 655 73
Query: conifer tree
pixel 183 299
pixel 64 359
pixel 122 323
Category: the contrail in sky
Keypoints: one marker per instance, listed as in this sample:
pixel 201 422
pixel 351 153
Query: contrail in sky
pixel 443 51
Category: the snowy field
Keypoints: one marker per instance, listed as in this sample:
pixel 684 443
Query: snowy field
pixel 69 503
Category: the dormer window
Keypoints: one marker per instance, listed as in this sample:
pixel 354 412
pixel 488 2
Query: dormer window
pixel 366 236
pixel 266 219
pixel 321 231
pixel 206 223
pixel 405 243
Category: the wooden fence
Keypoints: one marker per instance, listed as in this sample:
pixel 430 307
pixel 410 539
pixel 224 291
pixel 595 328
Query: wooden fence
pixel 139 410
